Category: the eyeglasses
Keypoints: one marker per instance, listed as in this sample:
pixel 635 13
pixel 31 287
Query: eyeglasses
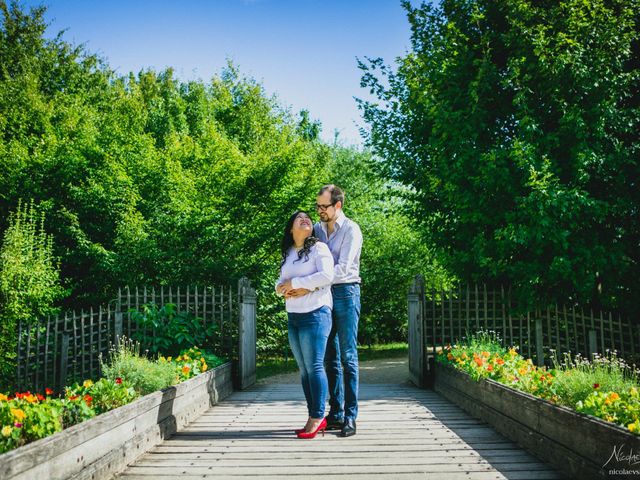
pixel 324 207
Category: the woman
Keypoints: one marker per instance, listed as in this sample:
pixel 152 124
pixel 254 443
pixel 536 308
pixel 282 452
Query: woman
pixel 305 279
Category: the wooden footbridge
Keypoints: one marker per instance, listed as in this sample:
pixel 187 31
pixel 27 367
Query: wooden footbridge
pixel 403 433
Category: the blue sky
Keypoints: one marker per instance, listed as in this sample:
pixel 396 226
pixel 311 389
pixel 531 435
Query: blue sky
pixel 302 50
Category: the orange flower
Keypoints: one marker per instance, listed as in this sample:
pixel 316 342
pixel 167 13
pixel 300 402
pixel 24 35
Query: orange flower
pixel 73 397
pixel 48 391
pixel 500 361
pixel 18 413
pixel 88 398
pixel 450 356
pixel 186 369
pixel 490 368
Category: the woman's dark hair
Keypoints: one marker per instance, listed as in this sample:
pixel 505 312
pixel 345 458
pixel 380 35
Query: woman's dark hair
pixel 287 240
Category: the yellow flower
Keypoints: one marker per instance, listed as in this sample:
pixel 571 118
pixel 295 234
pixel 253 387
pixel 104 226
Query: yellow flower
pixel 3 397
pixel 6 431
pixel 633 391
pixel 169 359
pixel 522 370
pixel 87 383
pixel 632 426
pixel 18 413
pixel 204 367
pixel 512 352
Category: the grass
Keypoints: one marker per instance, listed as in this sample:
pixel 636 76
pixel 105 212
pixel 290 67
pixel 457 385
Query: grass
pixel 267 367
pixel 576 376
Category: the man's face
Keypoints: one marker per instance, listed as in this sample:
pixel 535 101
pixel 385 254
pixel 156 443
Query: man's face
pixel 326 210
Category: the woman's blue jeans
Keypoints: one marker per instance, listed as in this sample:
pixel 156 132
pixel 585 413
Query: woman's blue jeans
pixel 308 334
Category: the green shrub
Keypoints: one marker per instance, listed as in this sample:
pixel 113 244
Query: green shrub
pixel 165 330
pixel 29 280
pixel 145 376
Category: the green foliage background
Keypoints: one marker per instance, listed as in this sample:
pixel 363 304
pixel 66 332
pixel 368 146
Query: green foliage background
pixel 517 125
pixel 146 179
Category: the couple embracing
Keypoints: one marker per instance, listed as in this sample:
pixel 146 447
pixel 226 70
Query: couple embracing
pixel 320 280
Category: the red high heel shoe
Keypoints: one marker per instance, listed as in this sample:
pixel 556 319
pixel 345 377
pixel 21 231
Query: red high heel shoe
pixel 321 428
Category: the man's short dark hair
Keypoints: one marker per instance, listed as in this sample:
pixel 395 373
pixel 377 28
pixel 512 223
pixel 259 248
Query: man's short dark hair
pixel 337 195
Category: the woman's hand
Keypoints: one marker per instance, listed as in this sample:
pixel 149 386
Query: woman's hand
pixel 296 292
pixel 284 287
pixel 288 291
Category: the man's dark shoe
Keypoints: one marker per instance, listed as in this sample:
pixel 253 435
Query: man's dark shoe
pixel 349 428
pixel 333 424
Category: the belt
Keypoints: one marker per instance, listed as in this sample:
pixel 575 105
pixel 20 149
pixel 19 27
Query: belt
pixel 346 284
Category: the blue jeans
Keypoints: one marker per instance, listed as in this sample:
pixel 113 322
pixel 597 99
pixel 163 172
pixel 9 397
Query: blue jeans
pixel 341 360
pixel 308 333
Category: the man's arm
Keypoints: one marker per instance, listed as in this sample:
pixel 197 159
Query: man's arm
pixel 349 250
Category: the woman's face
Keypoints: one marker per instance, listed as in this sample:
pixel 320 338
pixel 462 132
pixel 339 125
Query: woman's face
pixel 302 225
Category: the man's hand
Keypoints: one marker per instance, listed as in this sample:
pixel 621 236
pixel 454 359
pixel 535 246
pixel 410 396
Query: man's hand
pixel 296 292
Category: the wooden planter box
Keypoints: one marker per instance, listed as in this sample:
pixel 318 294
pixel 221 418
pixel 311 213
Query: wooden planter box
pixel 99 448
pixel 579 445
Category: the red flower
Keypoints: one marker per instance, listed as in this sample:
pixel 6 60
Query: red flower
pixel 73 397
pixel 88 398
pixel 48 391
pixel 118 380
pixel 596 385
pixel 40 397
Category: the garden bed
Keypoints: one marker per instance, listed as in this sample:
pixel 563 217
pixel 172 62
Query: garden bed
pixel 102 446
pixel 579 445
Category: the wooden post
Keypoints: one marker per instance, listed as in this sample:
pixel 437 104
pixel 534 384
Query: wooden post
pixel 64 356
pixel 593 343
pixel 247 334
pixel 118 328
pixel 417 344
pixel 539 342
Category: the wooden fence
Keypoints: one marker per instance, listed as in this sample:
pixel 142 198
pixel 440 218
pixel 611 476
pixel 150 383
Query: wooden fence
pixel 438 318
pixel 58 350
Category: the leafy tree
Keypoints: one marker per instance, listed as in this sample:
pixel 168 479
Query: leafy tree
pixel 393 249
pixel 517 125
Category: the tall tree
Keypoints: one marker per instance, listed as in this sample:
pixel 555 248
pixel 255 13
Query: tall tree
pixel 518 125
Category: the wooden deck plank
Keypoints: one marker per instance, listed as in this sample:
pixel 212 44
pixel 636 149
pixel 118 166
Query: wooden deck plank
pixel 403 433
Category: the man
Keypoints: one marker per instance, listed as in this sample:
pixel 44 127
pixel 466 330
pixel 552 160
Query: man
pixel 344 238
